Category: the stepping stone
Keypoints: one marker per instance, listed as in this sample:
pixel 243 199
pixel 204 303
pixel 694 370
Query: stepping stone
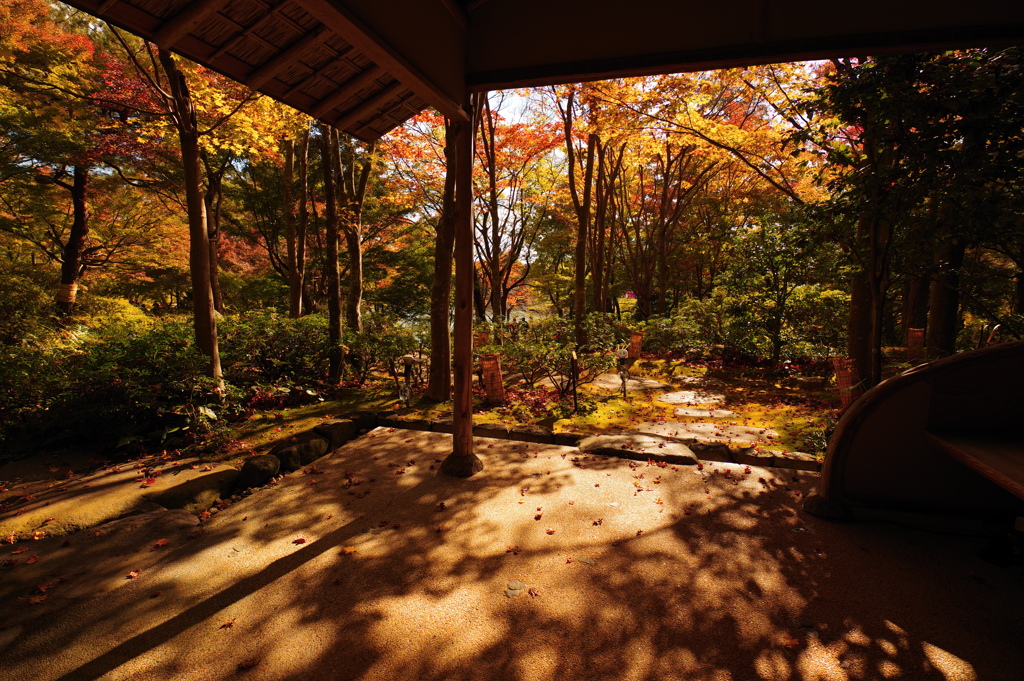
pixel 691 397
pixel 708 432
pixel 699 382
pixel 639 447
pixel 704 413
pixel 613 382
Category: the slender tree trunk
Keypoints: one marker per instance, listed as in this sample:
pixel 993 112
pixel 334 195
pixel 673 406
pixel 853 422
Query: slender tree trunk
pixel 71 258
pixel 212 201
pixel 915 305
pixel 199 245
pixel 302 227
pixel 291 237
pixel 858 337
pixel 439 386
pixel 332 274
pixel 944 299
pixel 579 306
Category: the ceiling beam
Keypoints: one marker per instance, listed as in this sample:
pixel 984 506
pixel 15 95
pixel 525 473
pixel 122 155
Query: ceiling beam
pixel 366 41
pixel 279 62
pixel 184 21
pixel 359 110
pixel 346 90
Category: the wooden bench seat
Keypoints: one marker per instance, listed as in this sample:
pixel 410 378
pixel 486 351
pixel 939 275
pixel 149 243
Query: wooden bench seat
pixel 1000 459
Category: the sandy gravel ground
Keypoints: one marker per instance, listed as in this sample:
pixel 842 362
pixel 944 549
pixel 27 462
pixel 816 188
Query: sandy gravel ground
pixel 369 566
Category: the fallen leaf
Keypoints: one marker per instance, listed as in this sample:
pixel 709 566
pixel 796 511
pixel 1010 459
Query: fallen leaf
pixel 155 594
pixel 23 549
pixel 227 624
pixel 533 592
pixel 248 664
pixel 299 540
pixel 549 531
pixel 133 574
pixel 348 550
pixel 159 543
pixel 32 559
pixel 36 600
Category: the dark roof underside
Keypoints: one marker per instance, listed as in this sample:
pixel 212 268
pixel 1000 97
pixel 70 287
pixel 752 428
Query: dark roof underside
pixel 366 66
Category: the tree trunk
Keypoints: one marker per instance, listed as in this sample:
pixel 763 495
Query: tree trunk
pixel 944 300
pixel 579 306
pixel 71 262
pixel 302 227
pixel 212 201
pixel 858 336
pixel 294 270
pixel 439 386
pixel 332 272
pixel 199 245
pixel 915 305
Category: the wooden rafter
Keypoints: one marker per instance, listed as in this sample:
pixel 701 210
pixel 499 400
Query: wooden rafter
pixel 346 90
pixel 286 57
pixel 382 54
pixel 184 21
pixel 353 115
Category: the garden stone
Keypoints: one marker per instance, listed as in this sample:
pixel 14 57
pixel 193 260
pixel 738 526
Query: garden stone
pixel 797 461
pixel 257 471
pixel 199 493
pixel 300 450
pixel 752 456
pixel 699 382
pixel 809 382
pixel 704 413
pixel 712 451
pixel 691 397
pixel 639 447
pixel 411 424
pixel 531 433
pixel 613 382
pixel 568 439
pixel 364 420
pixel 491 430
pixel 442 426
pixel 337 432
pixel 709 432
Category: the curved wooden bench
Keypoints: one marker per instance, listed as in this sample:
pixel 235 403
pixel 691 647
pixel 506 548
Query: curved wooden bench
pixel 937 439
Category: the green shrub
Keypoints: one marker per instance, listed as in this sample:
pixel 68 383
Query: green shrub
pixel 382 341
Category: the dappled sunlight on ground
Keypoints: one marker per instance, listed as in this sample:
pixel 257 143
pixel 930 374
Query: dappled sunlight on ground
pixel 369 566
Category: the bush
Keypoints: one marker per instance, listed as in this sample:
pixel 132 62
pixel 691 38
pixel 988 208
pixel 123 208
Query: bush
pixel 544 348
pixel 382 341
pixel 268 347
pixel 108 385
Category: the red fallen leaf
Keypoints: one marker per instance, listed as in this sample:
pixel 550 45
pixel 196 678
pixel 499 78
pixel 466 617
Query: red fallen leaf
pixel 409 440
pixel 312 482
pixel 193 466
pixel 88 484
pixel 97 533
pixel 639 532
pixel 37 535
pixel 700 466
pixel 227 624
pixel 42 588
pixel 568 560
pixel 441 507
pixel 32 559
pixel 549 531
pixel 747 470
pixel 790 641
pixel 514 550
pixel 533 592
pixel 329 516
pixel 299 540
pixel 538 516
pixel 399 471
pixel 207 468
pixel 133 574
pixel 48 520
pixel 204 515
pixel 248 664
pixel 599 521
pixel 23 549
pixel 148 482
pixel 36 600
pixel 159 543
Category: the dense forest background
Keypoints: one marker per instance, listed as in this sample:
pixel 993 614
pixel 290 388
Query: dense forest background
pixel 788 212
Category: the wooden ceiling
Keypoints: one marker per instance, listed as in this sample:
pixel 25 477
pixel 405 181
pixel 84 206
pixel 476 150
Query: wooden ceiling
pixel 366 66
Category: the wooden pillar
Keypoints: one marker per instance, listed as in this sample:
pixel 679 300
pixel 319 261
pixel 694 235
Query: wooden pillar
pixel 462 462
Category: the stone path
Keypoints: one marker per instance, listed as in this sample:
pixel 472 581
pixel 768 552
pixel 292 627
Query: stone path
pixel 691 397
